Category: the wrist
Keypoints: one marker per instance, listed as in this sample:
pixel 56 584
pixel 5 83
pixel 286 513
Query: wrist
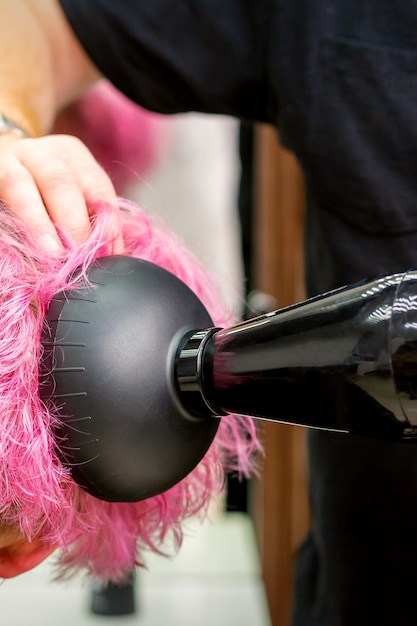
pixel 15 127
pixel 17 122
pixel 9 126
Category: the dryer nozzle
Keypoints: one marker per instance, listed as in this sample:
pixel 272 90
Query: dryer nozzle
pixel 142 377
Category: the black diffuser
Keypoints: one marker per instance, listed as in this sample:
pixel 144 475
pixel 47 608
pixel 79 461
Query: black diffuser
pixel 142 378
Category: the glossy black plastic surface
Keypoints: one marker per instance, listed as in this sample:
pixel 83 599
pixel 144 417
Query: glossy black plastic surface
pixel 140 374
pixel 110 350
pixel 344 361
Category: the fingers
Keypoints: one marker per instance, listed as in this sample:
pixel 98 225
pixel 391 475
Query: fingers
pixel 20 192
pixel 54 182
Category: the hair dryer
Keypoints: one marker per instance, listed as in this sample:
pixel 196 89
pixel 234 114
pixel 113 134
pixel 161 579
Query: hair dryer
pixel 141 378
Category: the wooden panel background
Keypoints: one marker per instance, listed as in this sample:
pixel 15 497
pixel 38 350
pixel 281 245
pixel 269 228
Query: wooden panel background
pixel 279 498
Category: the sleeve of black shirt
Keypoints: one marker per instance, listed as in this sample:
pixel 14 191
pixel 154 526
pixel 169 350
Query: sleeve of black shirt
pixel 173 56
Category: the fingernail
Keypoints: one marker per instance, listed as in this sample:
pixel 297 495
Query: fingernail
pixel 50 243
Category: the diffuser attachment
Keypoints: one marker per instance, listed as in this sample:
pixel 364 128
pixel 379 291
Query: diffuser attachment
pixel 109 358
pixel 141 376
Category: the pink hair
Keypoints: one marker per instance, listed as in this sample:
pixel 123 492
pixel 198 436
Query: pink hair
pixel 38 495
pixel 125 139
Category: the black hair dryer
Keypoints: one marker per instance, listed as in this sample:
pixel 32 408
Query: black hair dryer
pixel 141 377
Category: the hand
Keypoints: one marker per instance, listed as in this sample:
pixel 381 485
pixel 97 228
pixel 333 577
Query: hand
pixel 53 181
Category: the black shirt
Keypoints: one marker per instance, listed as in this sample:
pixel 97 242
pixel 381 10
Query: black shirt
pixel 337 78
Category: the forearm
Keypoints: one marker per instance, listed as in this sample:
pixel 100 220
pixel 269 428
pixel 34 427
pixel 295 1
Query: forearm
pixel 51 183
pixel 42 66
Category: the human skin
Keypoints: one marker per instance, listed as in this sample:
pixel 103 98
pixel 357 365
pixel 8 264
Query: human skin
pixel 18 554
pixel 50 182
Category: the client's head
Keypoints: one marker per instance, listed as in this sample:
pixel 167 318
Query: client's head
pixel 41 507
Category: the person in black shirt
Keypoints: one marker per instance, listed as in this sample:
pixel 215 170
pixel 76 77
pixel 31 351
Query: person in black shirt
pixel 337 80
